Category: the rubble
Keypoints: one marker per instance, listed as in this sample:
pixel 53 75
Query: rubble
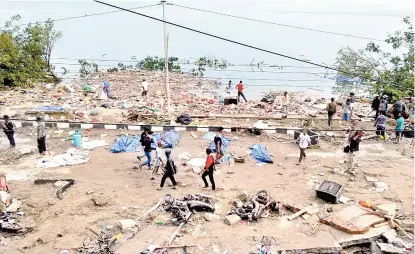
pixel 253 209
pixel 232 219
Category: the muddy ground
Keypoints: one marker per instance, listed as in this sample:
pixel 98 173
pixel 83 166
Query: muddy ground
pixel 64 224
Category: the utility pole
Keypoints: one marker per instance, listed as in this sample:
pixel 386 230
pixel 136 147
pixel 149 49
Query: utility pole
pixel 166 62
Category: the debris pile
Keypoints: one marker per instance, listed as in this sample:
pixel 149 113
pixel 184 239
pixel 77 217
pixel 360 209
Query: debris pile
pixel 255 208
pixel 182 209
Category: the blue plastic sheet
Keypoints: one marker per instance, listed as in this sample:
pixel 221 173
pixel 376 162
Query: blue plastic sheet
pixel 126 144
pixel 260 154
pixel 47 109
pixel 225 144
pixel 169 139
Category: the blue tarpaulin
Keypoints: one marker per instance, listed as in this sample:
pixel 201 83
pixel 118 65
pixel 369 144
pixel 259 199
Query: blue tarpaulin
pixel 260 154
pixel 126 144
pixel 169 139
pixel 225 144
pixel 47 109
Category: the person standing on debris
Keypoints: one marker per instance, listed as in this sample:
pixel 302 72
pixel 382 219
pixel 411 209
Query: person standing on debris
pixel 240 87
pixel 331 110
pixel 208 170
pixel 398 108
pixel 380 125
pixel 400 124
pixel 375 106
pixel 347 110
pixel 285 103
pixel 41 135
pixel 107 88
pixel 159 161
pixel 384 106
pixel 169 171
pixel 144 84
pixel 352 100
pixel 303 141
pixel 9 131
pixel 148 140
pixel 218 143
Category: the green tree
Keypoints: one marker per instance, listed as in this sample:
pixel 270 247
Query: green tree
pixel 388 70
pixel 208 62
pixel 157 64
pixel 87 68
pixel 25 54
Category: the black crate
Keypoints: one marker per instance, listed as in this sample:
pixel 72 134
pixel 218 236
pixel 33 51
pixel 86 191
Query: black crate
pixel 330 191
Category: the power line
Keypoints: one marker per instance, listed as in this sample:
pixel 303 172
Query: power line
pixel 274 23
pixel 242 44
pixel 85 16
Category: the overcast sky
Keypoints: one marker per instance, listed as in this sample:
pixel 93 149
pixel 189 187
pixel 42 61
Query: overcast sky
pixel 122 35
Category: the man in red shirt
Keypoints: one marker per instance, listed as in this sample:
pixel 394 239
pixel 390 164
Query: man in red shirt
pixel 209 169
pixel 240 87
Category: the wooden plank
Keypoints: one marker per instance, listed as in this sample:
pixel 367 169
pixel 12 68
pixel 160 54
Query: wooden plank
pixel 299 213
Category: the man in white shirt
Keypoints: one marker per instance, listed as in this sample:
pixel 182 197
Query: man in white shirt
pixel 303 141
pixel 159 161
pixel 144 84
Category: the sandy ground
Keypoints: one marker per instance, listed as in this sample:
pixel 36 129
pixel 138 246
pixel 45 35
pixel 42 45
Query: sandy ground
pixel 131 192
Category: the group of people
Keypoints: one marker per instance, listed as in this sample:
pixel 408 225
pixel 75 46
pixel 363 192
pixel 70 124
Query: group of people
pixel 9 130
pixel 169 167
pixel 240 87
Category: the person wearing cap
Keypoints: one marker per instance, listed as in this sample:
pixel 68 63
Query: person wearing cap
pixel 8 129
pixel 159 161
pixel 41 135
pixel 208 170
pixel 170 170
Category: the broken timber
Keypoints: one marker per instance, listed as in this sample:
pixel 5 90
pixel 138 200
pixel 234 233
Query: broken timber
pixel 59 193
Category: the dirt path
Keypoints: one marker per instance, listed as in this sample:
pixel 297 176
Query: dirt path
pixel 130 192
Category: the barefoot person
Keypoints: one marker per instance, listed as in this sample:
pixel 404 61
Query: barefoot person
pixel 218 144
pixel 303 141
pixel 208 170
pixel 169 171
pixel 41 135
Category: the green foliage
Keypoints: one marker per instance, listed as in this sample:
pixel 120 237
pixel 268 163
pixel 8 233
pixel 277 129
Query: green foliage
pixel 25 54
pixel 388 70
pixel 87 68
pixel 211 62
pixel 157 64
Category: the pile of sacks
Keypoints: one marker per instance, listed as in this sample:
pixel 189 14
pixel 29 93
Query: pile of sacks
pixel 181 209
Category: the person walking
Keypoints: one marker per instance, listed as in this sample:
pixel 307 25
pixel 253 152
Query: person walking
pixel 41 135
pixel 400 124
pixel 159 161
pixel 229 87
pixel 144 84
pixel 218 143
pixel 106 89
pixel 331 111
pixel 285 103
pixel 303 142
pixel 240 88
pixel 380 125
pixel 398 108
pixel 352 100
pixel 375 107
pixel 208 170
pixel 143 135
pixel 354 140
pixel 148 140
pixel 384 106
pixel 347 110
pixel 9 131
pixel 169 171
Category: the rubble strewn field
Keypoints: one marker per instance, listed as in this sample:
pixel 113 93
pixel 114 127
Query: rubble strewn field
pixel 113 205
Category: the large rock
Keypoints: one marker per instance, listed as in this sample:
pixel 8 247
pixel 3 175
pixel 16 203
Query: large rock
pixel 232 219
pixel 126 224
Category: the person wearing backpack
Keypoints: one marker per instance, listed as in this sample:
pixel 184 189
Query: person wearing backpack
pixel 331 110
pixel 209 169
pixel 169 171
pixel 8 129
